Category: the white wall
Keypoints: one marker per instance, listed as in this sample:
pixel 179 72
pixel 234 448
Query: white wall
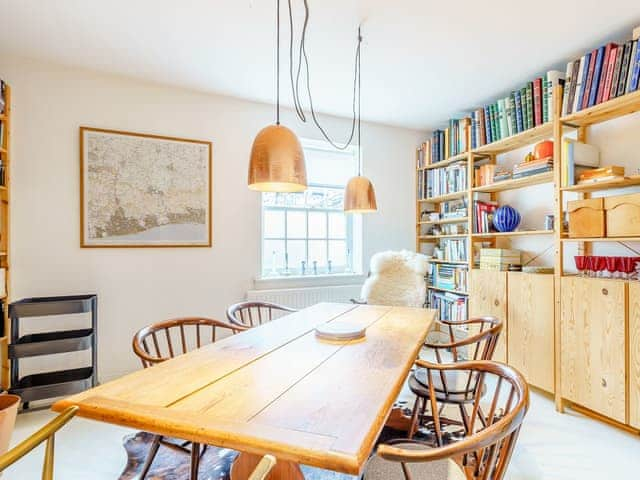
pixel 140 286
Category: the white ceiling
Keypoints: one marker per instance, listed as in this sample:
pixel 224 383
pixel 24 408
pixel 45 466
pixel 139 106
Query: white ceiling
pixel 423 60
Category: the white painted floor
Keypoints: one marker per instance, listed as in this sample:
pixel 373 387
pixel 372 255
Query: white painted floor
pixel 551 446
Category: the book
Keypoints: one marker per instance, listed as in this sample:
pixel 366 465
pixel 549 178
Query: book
pixel 608 74
pixel 487 122
pixel 635 76
pixel 595 79
pixel 537 102
pixel 604 69
pixel 624 69
pixel 611 170
pixel 554 78
pixel 513 128
pixel 587 86
pixel 530 105
pixel 518 102
pixel 568 85
pixel 582 81
pixel 613 89
pixel 502 118
pixel 634 54
pixel 577 155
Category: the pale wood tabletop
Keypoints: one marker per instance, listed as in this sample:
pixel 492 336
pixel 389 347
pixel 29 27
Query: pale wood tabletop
pixel 276 389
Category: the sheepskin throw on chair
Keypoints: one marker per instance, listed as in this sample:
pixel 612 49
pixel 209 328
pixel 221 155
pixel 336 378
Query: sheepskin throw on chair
pixel 396 279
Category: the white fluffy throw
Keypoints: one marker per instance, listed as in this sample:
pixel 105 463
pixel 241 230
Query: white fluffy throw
pixel 396 278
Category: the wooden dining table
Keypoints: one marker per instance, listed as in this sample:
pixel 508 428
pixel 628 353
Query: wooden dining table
pixel 276 389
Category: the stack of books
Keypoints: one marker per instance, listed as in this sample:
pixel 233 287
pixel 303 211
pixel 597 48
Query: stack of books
pixel 450 306
pixel 446 143
pixel 607 72
pixel 579 157
pixel 499 258
pixel 525 108
pixel 442 181
pixel 601 175
pixel 449 277
pixel 533 167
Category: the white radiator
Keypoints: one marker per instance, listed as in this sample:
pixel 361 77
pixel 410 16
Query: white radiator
pixel 305 297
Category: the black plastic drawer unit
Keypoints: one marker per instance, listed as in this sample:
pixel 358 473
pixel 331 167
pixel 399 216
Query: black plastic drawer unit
pixel 51 384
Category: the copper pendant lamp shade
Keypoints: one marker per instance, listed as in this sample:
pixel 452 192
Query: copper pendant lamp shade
pixel 277 161
pixel 360 197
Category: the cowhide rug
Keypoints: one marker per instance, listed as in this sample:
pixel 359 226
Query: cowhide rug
pixel 215 463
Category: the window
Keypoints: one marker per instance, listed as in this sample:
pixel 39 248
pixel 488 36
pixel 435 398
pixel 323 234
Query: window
pixel 308 233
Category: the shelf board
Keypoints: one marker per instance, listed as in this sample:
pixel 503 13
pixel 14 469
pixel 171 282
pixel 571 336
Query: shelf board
pixel 605 185
pixel 444 198
pixel 609 110
pixel 512 184
pixel 435 238
pixel 459 292
pixel 518 233
pixel 601 239
pixel 445 221
pixel 451 262
pixel 448 161
pixel 519 140
pixel 3 150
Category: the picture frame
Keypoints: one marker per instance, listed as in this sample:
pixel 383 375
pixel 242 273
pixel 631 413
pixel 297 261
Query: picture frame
pixel 142 190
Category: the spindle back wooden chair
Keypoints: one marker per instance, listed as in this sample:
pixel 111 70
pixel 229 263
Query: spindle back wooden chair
pixel 251 314
pixel 164 340
pixel 455 387
pixel 484 453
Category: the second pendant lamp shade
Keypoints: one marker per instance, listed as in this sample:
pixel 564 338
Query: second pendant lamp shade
pixel 277 161
pixel 360 197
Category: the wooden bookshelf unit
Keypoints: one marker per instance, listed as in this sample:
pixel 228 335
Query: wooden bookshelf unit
pixel 5 247
pixel 550 359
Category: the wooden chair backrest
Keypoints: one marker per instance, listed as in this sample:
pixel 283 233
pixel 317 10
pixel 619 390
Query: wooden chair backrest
pixel 157 343
pixel 252 314
pixel 492 429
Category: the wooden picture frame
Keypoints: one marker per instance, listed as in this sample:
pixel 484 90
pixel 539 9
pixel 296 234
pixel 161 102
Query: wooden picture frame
pixel 134 192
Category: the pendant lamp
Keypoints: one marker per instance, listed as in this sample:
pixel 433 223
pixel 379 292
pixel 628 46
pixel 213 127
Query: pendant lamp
pixel 277 160
pixel 359 195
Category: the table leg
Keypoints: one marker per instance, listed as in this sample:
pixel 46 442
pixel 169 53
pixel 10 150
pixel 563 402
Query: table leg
pixel 195 460
pixel 245 463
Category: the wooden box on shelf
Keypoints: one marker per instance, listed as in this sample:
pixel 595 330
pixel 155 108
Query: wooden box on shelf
pixel 586 218
pixel 623 215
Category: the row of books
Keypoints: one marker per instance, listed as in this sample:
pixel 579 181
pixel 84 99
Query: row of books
pixel 483 215
pixel 450 306
pixel 442 181
pixel 525 108
pixel 3 96
pixel 607 72
pixel 449 277
pixel 453 250
pixel 444 143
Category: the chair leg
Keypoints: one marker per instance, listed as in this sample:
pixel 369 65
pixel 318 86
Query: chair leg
pixel 414 418
pixel 151 455
pixel 195 460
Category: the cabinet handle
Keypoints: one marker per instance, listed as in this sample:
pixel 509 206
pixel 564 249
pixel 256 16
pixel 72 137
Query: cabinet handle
pixel 496 303
pixel 605 291
pixel 604 382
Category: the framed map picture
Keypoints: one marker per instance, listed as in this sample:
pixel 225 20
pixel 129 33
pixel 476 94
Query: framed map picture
pixel 141 190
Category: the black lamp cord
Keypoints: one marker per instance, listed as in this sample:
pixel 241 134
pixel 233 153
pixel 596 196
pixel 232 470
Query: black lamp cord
pixel 278 62
pixel 295 81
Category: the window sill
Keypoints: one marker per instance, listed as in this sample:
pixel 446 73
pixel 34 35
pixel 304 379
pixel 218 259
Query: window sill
pixel 269 283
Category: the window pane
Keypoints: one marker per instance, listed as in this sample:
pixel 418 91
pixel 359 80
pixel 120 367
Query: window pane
pixel 337 225
pixel 330 167
pixel 318 253
pixel 273 225
pixel 317 225
pixel 297 253
pixel 338 253
pixel 296 224
pixel 272 256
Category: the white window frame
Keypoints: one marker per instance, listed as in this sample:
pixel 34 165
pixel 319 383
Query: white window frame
pixel 354 239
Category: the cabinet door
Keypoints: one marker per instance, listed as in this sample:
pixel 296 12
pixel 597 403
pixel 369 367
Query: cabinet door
pixel 634 354
pixel 488 296
pixel 531 313
pixel 593 344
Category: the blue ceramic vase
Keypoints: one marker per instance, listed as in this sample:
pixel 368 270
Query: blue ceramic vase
pixel 506 219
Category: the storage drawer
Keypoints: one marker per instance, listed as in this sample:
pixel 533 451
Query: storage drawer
pixel 48 343
pixel 623 215
pixel 586 218
pixel 42 306
pixel 53 384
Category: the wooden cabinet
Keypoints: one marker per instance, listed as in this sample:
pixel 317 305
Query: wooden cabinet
pixel 487 296
pixel 531 337
pixel 634 354
pixel 593 323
